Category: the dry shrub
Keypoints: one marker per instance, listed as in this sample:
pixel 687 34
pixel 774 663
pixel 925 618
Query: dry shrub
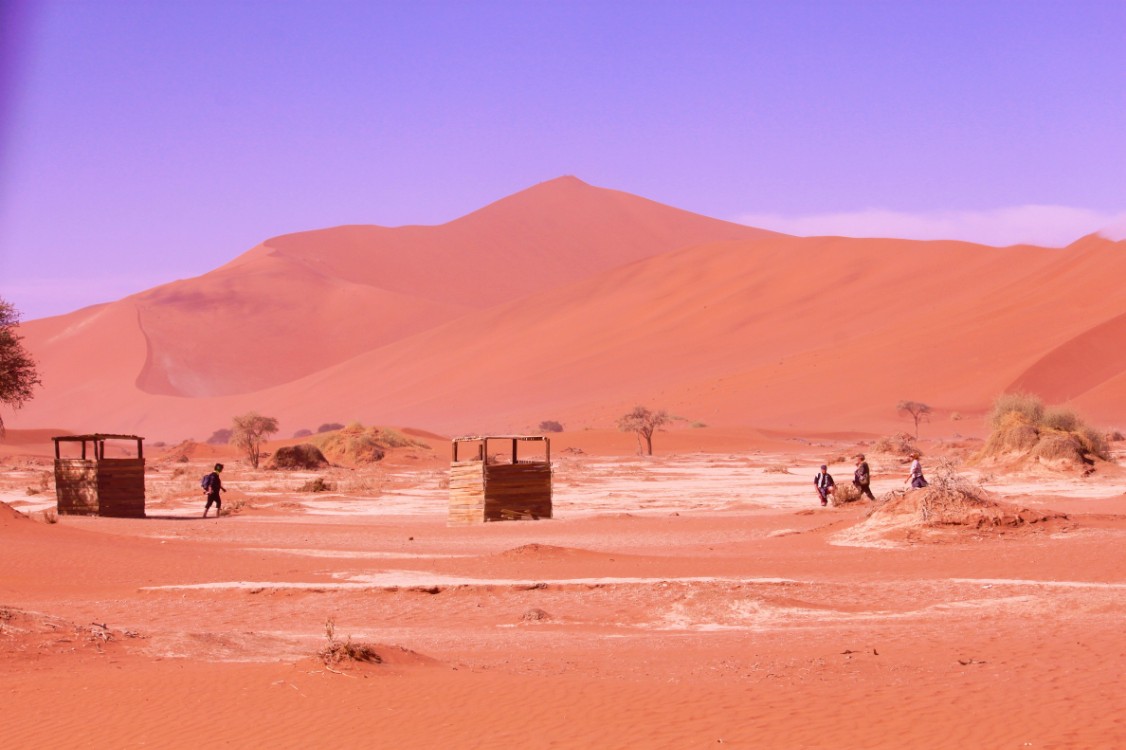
pixel 392 438
pixel 899 444
pixel 1115 435
pixel 316 485
pixel 1028 406
pixel 1054 436
pixel 845 492
pixel 1012 433
pixel 296 457
pixel 354 444
pixel 50 516
pixel 335 652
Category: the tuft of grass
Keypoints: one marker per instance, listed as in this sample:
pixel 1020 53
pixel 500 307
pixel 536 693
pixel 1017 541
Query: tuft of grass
pixel 1028 406
pixel 50 516
pixel 899 444
pixel 316 485
pixel 1021 424
pixel 335 652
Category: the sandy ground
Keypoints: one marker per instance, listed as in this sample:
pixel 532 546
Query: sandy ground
pixel 685 601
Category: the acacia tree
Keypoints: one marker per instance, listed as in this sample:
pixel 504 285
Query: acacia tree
pixel 18 375
pixel 918 411
pixel 643 423
pixel 249 431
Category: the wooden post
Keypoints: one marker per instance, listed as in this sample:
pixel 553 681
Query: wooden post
pixel 455 452
pixel 514 444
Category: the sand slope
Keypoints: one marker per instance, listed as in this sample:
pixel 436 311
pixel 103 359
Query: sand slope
pixel 571 302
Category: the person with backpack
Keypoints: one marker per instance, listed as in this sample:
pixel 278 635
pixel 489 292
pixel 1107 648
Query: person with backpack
pixel 862 477
pixel 212 486
pixel 824 484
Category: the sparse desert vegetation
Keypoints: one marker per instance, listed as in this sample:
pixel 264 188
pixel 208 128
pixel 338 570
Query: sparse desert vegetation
pixel 1023 429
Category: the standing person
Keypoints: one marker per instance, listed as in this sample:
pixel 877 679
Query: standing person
pixel 824 484
pixel 862 477
pixel 915 479
pixel 213 485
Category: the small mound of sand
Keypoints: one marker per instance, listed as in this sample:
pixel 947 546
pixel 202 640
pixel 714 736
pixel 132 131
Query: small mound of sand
pixel 537 551
pixel 297 457
pixel 8 514
pixel 935 513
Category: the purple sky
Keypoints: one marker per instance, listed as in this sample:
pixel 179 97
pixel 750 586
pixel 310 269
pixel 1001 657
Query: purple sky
pixel 146 141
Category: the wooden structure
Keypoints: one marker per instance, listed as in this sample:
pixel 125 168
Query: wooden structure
pixel 498 487
pixel 94 485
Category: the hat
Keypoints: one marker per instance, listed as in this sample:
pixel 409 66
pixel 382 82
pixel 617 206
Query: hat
pixel 218 467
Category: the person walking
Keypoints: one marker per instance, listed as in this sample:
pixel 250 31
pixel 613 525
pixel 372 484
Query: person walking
pixel 824 484
pixel 862 477
pixel 916 479
pixel 213 485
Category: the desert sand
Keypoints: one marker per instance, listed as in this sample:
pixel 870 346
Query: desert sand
pixel 571 302
pixel 699 598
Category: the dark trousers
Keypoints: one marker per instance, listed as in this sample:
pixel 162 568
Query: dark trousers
pixel 865 489
pixel 213 499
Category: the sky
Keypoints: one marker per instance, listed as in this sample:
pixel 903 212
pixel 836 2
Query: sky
pixel 143 141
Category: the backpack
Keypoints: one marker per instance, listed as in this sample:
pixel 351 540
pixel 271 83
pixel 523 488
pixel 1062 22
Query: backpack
pixel 205 483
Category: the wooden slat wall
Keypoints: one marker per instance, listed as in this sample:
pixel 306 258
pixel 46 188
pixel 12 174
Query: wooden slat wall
pixel 467 493
pixel 121 487
pixel 110 487
pixel 76 487
pixel 515 491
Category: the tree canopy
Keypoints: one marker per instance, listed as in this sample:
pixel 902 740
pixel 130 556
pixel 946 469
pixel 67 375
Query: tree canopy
pixel 643 422
pixel 18 373
pixel 249 431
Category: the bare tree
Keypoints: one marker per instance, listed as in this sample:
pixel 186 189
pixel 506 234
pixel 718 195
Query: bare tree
pixel 249 431
pixel 918 411
pixel 643 422
pixel 18 375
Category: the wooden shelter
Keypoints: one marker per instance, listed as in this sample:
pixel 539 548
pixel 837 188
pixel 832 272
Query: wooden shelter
pixel 94 485
pixel 502 486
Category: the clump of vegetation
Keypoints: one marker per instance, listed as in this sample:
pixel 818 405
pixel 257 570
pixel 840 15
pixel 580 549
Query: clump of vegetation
pixel 354 444
pixel 845 492
pixel 294 457
pixel 330 427
pixel 391 438
pixel 335 652
pixel 550 425
pixel 317 484
pixel 304 432
pixel 899 444
pixel 50 516
pixel 1022 425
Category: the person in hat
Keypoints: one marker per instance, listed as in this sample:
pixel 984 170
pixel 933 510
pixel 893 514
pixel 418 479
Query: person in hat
pixel 915 479
pixel 824 484
pixel 213 485
pixel 862 477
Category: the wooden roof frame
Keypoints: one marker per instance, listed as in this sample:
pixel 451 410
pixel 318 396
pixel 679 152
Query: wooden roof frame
pixel 99 440
pixel 516 440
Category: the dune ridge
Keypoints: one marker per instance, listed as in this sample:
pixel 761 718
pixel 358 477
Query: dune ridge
pixel 571 302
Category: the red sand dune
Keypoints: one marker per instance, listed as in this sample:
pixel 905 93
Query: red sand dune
pixel 573 303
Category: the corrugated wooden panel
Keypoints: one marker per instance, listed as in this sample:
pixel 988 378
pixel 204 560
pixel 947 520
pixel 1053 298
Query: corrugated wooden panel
pixel 76 486
pixel 121 487
pixel 517 491
pixel 467 493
